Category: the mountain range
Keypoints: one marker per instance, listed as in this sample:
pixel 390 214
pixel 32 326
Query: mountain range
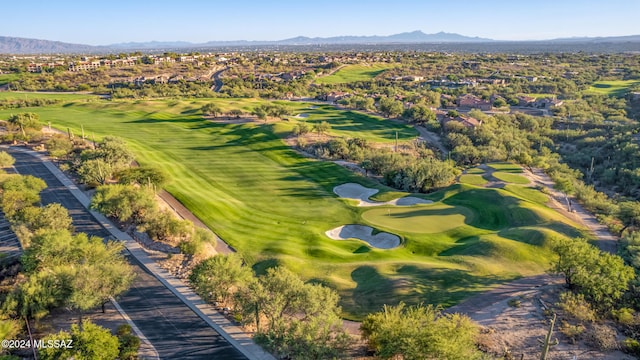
pixel 15 45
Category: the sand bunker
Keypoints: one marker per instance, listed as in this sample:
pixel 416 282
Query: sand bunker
pixel 359 192
pixel 303 115
pixel 381 240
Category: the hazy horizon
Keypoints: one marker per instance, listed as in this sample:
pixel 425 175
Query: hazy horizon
pixel 192 21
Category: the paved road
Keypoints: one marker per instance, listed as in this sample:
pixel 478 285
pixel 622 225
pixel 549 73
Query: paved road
pixel 216 79
pixel 174 330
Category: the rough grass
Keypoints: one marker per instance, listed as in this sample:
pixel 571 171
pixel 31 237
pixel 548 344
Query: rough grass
pixel 274 206
pixel 353 73
pixel 611 88
pixel 473 179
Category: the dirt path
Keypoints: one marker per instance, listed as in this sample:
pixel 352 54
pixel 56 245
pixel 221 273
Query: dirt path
pixel 431 138
pixel 606 241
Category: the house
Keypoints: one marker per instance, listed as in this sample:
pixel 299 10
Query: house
pixel 526 100
pixel 464 120
pixel 470 101
pixel 334 96
pixel 547 103
pixel 84 65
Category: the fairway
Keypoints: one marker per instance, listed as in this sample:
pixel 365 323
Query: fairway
pixel 510 178
pixel 473 179
pixel 353 73
pixel 274 206
pixel 611 88
pixel 429 219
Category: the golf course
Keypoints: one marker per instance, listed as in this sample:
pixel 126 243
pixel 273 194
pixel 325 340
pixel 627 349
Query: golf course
pixel 275 206
pixel 353 73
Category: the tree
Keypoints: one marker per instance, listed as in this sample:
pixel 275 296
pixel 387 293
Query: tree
pixel 321 127
pixel 235 113
pixel 24 121
pixel 600 276
pixel 113 151
pixel 302 319
pixel 164 226
pixel 124 202
pixel 420 332
pixel 390 107
pixel 261 113
pixel 499 102
pixel 6 160
pixel 143 175
pixel 51 217
pixel 211 109
pixel 95 172
pixel 420 114
pixel 90 341
pixel 629 213
pixel 19 192
pixel 83 271
pixel 215 277
pixel 301 129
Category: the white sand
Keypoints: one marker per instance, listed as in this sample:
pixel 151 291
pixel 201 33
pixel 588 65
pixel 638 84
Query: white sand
pixel 382 240
pixel 361 193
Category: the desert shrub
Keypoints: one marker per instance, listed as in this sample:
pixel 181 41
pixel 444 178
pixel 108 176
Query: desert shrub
pixel 624 316
pixel 128 344
pixel 631 346
pixel 514 303
pixel 575 306
pixel 573 332
pixel 602 337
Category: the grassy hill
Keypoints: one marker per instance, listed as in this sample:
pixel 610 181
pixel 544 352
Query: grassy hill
pixel 274 205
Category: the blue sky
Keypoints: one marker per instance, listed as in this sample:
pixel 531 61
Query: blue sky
pixel 114 21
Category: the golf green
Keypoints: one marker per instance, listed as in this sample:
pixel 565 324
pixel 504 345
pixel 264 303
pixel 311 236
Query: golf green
pixel 429 219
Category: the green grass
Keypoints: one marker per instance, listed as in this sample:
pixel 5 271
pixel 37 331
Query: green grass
pixel 26 95
pixel 7 78
pixel 274 206
pixel 511 178
pixel 473 179
pixel 506 167
pixel 350 124
pixel 475 170
pixel 353 73
pixel 611 88
pixel 527 193
pixel 429 219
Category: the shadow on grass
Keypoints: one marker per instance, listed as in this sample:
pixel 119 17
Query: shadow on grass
pixel 261 267
pixel 443 286
pixel 414 285
pixel 372 290
pixel 362 250
pixel 494 210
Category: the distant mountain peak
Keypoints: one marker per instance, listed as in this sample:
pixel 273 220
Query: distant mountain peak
pixel 15 45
